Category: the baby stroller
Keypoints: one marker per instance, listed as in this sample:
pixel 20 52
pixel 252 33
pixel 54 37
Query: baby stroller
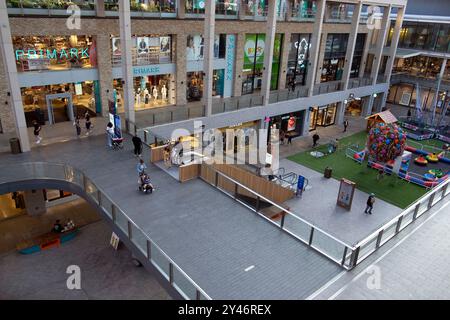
pixel 145 185
pixel 117 143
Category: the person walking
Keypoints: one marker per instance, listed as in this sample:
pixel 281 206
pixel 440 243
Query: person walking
pixel 137 143
pixel 289 139
pixel 77 125
pixel 109 134
pixel 88 123
pixel 370 202
pixel 37 131
pixel 315 139
pixel 141 166
pixel 345 125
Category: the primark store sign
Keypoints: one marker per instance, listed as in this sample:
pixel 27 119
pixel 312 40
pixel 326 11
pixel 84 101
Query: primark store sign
pixel 53 54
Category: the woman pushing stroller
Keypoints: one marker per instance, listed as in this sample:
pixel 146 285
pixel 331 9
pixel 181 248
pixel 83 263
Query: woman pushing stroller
pixel 144 180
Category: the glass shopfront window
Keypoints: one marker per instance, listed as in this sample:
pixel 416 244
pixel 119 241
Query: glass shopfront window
pixel 303 9
pixel 35 53
pixel 323 116
pixel 290 124
pixel 144 5
pixel 357 55
pixel 62 102
pixel 336 12
pixel 252 71
pixel 195 46
pixel 298 58
pixel 255 7
pixel 45 4
pixel 420 66
pixel 195 85
pixel 150 91
pixel 334 59
pixel 423 36
pixel 146 50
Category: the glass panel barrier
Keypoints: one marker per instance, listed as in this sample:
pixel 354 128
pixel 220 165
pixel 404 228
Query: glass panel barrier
pixel 184 285
pixel 107 205
pixel 91 189
pixel 407 219
pixel 437 196
pixel 423 206
pixel 139 239
pixel 121 220
pixel 388 233
pixel 367 248
pixel 328 245
pixel 160 261
pixel 297 227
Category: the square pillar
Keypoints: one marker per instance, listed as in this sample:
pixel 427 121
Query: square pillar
pixel 104 70
pixel 9 63
pixel 127 66
pixel 380 44
pixel 351 45
pixel 394 42
pixel 238 64
pixel 208 61
pixel 181 9
pixel 320 58
pixel 362 67
pixel 306 121
pixel 268 52
pixel 180 54
pixel 315 46
pixel 100 8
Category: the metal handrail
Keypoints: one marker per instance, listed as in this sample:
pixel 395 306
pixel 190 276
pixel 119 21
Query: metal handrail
pixel 280 207
pixel 113 203
pixel 409 208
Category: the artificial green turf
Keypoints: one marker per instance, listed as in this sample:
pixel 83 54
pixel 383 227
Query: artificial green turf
pixel 390 189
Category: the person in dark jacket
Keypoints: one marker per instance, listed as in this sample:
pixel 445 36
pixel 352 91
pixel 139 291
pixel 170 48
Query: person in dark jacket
pixel 137 142
pixel 315 139
pixel 370 202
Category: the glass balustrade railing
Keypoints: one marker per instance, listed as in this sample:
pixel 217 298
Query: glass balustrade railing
pixel 182 283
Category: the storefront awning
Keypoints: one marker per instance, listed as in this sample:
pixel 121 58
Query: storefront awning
pixel 403 53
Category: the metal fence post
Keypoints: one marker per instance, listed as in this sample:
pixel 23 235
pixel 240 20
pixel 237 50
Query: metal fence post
pixel 197 294
pixel 216 181
pixel 99 196
pixel 344 256
pixel 171 273
pixel 113 213
pixel 235 190
pixel 149 250
pixel 311 235
pixel 399 223
pixel 416 211
pixel 257 203
pixel 282 219
pixel 129 229
pixel 444 190
pixel 380 235
pixel 354 258
pixel 430 202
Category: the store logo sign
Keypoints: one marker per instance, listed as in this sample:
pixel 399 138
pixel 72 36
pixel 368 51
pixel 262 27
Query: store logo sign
pixel 144 71
pixel 53 54
pixel 230 58
pixel 250 48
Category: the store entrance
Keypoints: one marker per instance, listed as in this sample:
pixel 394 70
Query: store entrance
pixel 60 107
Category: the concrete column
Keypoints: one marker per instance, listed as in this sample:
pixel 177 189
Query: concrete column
pixel 35 202
pixel 9 63
pixel 340 112
pixel 394 42
pixel 180 54
pixel 306 120
pixel 321 57
pixel 208 61
pixel 369 106
pixel 238 64
pixel 284 60
pixel 378 56
pixel 268 51
pixel 181 9
pixel 127 66
pixel 103 43
pixel 315 47
pixel 351 45
pixel 100 8
pixel 365 54
pixel 438 87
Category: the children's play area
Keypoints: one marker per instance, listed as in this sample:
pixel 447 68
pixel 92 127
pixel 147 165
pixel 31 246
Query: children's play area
pixel 386 160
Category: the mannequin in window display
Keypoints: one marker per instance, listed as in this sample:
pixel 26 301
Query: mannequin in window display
pixel 145 92
pixel 155 93
pixel 146 97
pixel 164 92
pixel 137 97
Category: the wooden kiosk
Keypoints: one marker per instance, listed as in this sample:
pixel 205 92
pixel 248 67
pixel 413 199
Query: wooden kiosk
pixel 385 117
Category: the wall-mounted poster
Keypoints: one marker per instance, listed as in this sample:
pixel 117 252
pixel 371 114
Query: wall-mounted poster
pixel 116 48
pixel 346 192
pixel 291 123
pixel 406 98
pixel 164 52
pixel 195 47
pixel 142 45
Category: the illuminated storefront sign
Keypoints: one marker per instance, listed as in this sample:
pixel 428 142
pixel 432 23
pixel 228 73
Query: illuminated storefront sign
pixel 145 71
pixel 53 54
